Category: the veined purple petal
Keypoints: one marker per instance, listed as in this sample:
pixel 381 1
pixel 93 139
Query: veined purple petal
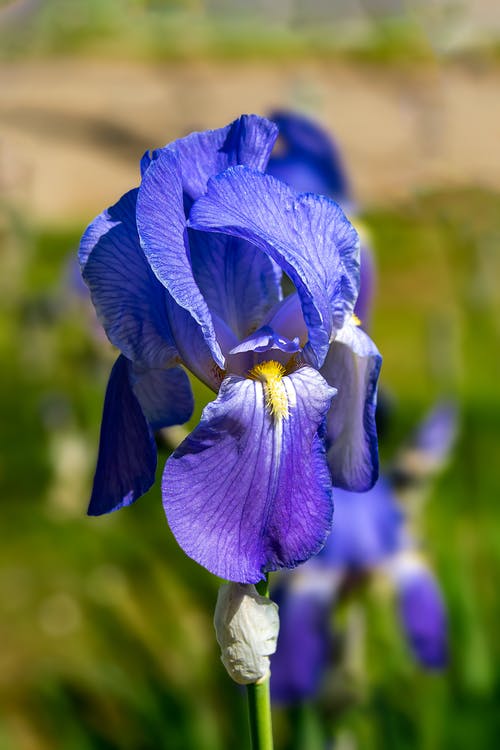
pixel 129 299
pixel 308 158
pixel 422 611
pixel 248 140
pixel 366 528
pixel 352 366
pixel 162 229
pixel 126 462
pixel 238 281
pixel 137 401
pixel 307 235
pixel 193 348
pixel 248 492
pixel 165 396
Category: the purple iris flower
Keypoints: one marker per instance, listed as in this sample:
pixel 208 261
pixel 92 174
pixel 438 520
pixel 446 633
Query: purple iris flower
pixel 185 272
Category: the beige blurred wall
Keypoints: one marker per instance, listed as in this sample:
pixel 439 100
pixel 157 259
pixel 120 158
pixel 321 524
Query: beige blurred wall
pixel 72 132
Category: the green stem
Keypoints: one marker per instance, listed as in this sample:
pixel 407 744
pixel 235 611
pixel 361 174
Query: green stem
pixel 259 701
pixel 259 710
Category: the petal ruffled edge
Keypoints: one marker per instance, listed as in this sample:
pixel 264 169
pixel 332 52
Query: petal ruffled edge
pixel 129 300
pixel 308 235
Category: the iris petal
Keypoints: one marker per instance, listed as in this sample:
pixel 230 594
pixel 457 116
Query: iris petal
pixel 137 401
pixel 129 299
pixel 162 229
pixel 238 281
pixel 309 159
pixel 307 235
pixel 165 396
pixel 423 615
pixel 248 140
pixel 304 645
pixel 366 528
pixel 126 462
pixel 352 366
pixel 245 493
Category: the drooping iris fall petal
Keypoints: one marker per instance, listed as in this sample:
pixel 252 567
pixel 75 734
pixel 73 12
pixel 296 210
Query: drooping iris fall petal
pixel 126 462
pixel 249 490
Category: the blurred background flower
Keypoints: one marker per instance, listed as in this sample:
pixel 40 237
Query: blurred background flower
pixel 105 625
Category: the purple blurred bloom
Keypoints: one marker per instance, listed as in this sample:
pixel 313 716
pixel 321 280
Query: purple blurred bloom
pixel 367 529
pixel 187 270
pixel 305 637
pixel 422 610
pixel 307 157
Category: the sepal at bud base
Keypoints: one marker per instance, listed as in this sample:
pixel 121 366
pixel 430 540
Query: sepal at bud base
pixel 246 626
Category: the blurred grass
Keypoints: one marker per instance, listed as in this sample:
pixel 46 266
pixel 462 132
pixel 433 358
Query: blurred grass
pixel 105 625
pixel 193 29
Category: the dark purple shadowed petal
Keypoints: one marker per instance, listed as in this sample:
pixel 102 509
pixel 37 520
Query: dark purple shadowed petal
pixel 304 642
pixel 129 299
pixel 126 462
pixel 137 401
pixel 308 158
pixel 194 350
pixel 307 235
pixel 248 140
pixel 247 493
pixel 366 528
pixel 162 229
pixel 165 396
pixel 352 366
pixel 238 281
pixel 423 616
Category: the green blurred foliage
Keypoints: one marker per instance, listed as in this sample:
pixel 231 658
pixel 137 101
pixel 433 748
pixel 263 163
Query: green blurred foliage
pixel 196 29
pixel 105 625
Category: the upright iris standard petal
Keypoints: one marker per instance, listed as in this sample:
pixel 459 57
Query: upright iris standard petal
pixel 137 401
pixel 238 281
pixel 307 235
pixel 366 529
pixel 126 462
pixel 352 366
pixel 249 490
pixel 129 299
pixel 162 229
pixel 248 140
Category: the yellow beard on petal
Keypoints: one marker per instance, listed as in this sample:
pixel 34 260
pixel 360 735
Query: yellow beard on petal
pixel 271 375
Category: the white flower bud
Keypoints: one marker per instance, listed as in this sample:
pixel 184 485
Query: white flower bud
pixel 246 625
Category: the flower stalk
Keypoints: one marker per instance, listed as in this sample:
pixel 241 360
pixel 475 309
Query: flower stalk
pixel 259 700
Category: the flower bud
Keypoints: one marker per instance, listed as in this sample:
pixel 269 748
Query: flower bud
pixel 246 626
